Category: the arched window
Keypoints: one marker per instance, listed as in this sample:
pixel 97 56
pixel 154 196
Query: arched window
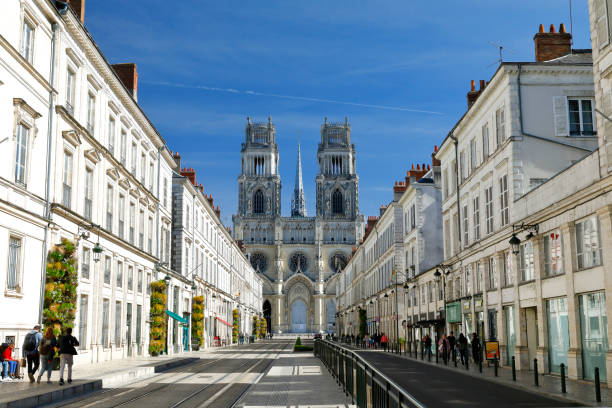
pixel 258 202
pixel 337 202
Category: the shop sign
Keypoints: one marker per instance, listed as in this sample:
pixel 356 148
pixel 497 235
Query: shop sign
pixel 466 305
pixel 478 302
pixel 453 312
pixel 492 350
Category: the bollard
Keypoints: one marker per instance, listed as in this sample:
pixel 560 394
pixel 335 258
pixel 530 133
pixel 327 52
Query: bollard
pixel 513 369
pixel 467 362
pixel 436 354
pixel 597 385
pixel 429 355
pixel 495 365
pixel 562 368
pixel 535 372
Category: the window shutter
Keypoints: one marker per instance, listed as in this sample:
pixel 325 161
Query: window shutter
pixel 603 14
pixel 560 115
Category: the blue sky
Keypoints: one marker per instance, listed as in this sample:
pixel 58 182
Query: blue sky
pixel 399 70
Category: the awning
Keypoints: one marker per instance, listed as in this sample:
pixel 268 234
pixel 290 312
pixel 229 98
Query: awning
pixel 223 321
pixel 177 317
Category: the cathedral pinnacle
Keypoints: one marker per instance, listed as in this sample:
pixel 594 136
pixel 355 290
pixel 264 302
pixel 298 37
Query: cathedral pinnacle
pixel 298 202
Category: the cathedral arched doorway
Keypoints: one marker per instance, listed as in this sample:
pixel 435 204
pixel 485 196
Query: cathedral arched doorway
pixel 298 316
pixel 267 314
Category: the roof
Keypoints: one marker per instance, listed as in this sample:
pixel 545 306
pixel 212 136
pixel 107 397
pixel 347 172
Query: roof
pixel 576 57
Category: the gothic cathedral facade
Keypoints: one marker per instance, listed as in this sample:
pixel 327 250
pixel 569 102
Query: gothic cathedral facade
pixel 298 257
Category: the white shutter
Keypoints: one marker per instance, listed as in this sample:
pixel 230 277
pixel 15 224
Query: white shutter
pixel 602 10
pixel 560 116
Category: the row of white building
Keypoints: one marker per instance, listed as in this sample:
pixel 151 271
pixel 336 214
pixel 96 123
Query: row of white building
pixel 82 161
pixel 508 233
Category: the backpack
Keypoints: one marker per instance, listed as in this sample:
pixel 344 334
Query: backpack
pixel 29 344
pixel 3 347
pixel 45 346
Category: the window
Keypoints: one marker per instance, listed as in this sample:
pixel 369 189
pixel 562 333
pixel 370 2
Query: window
pixel 119 274
pixel 123 146
pixel 466 226
pixel 14 264
pixel 105 317
pixel 121 215
pixel 479 276
pixel 111 135
pixel 132 222
pixel 118 324
pixel 134 155
pixel 148 283
pixel 23 134
pixel 476 217
pixel 91 112
pixel 165 192
pixel 85 263
pixel 485 141
pixel 588 246
pixel 130 277
pixel 507 269
pixel 473 155
pixel 27 41
pixel 109 207
pixel 258 202
pixel 83 303
pixel 489 208
pixel 500 126
pixel 430 286
pixel 141 230
pixel 492 273
pixel 107 270
pixel 445 182
pixel 138 323
pixel 468 280
pixel 413 216
pixel 503 199
pixel 139 281
pixel 553 261
pixel 143 168
pixel 67 180
pixel 462 168
pixel 150 236
pixel 187 216
pixel 581 117
pixel 70 89
pixel 151 175
pixel 337 202
pixel 423 295
pixel 88 193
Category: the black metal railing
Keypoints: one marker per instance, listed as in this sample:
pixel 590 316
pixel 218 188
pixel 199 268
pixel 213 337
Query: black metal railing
pixel 359 379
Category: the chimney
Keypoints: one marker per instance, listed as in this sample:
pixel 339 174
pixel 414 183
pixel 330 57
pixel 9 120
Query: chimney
pixel 473 94
pixel 177 159
pixel 79 9
pixel 128 76
pixel 398 190
pixel 218 212
pixel 435 162
pixel 551 45
pixel 382 209
pixel 190 174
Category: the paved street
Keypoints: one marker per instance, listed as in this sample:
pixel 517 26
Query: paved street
pixel 439 387
pixel 217 380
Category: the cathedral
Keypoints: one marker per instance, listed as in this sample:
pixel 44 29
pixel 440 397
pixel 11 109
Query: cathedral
pixel 298 257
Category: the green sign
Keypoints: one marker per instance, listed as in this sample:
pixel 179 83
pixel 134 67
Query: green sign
pixel 177 317
pixel 453 312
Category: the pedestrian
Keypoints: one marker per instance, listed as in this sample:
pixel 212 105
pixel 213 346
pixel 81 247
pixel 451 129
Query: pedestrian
pixel 9 364
pixel 384 340
pixel 462 348
pixel 30 350
pixel 452 341
pixel 67 350
pixel 428 345
pixel 366 340
pixel 47 353
pixel 372 342
pixel 444 348
pixel 475 348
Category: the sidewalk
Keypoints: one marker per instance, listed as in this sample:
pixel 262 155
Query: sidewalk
pixel 581 392
pixel 296 380
pixel 94 377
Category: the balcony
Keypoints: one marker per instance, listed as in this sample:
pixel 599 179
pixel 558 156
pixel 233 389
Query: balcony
pixel 66 195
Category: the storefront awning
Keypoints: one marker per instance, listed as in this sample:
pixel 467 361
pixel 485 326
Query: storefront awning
pixel 177 317
pixel 223 321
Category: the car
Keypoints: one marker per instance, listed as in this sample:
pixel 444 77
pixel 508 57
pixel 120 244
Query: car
pixel 318 336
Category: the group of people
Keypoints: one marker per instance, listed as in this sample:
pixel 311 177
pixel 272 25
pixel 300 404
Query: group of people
pixel 40 350
pixel 449 346
pixel 376 340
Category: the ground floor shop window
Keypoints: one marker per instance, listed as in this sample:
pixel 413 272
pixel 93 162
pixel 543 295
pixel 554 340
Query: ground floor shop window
pixel 467 325
pixel 594 330
pixel 558 333
pixel 510 333
pixel 492 324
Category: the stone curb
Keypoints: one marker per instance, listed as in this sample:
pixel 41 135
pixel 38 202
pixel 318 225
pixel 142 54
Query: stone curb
pixel 48 397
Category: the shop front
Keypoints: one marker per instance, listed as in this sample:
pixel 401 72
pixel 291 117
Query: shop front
pixel 558 333
pixel 594 332
pixel 453 317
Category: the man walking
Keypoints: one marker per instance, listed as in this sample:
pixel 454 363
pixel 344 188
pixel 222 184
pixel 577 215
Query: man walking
pixel 67 350
pixel 452 341
pixel 30 350
pixel 475 348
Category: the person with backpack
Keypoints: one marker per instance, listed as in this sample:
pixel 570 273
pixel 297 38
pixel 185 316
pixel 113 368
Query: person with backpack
pixel 47 352
pixel 67 350
pixel 30 350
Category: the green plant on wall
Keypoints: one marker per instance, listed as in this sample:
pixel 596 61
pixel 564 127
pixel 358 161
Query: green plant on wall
pixel 235 326
pixel 363 317
pixel 159 322
pixel 60 287
pixel 197 321
pixel 263 330
pixel 256 327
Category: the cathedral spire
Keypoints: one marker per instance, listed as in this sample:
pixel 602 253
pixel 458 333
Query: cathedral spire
pixel 298 202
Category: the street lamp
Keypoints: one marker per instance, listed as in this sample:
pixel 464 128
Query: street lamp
pixel 97 251
pixel 515 242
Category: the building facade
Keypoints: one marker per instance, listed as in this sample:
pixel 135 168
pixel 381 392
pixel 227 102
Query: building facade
pixel 298 256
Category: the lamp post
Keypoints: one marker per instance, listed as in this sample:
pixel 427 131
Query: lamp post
pixel 442 271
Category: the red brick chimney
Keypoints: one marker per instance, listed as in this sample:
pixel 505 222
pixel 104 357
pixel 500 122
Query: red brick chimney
pixel 79 8
pixel 552 45
pixel 190 174
pixel 177 159
pixel 128 76
pixel 218 212
pixel 473 94
pixel 435 162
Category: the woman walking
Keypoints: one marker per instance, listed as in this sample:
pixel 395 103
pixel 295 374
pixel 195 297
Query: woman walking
pixel 47 352
pixel 444 348
pixel 67 350
pixel 463 346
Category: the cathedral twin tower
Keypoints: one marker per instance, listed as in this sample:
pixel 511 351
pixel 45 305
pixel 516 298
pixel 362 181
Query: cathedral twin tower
pixel 298 257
